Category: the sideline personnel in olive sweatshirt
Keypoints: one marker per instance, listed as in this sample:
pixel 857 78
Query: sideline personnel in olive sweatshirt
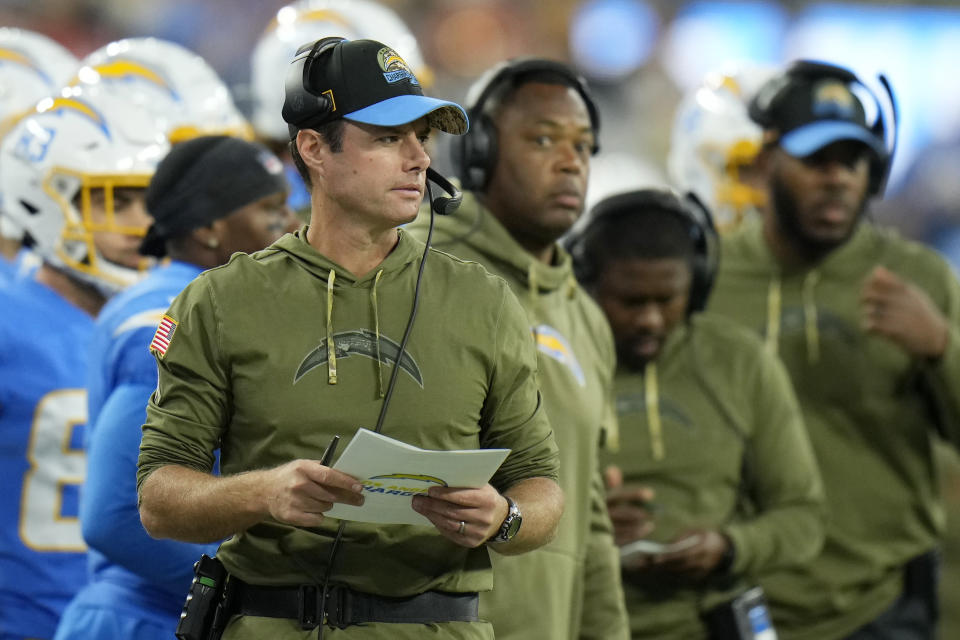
pixel 525 163
pixel 271 355
pixel 868 326
pixel 708 422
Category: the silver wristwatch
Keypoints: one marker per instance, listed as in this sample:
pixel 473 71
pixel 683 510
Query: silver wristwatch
pixel 511 524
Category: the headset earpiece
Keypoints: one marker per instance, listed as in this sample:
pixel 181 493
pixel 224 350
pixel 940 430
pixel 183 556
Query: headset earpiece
pixel 475 153
pixel 706 260
pixel 303 105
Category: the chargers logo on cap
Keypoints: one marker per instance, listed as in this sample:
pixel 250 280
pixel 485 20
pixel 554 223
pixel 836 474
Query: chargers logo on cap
pixel 832 98
pixel 394 68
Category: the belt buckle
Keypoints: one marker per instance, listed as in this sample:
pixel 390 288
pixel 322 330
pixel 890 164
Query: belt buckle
pixel 309 606
pixel 337 610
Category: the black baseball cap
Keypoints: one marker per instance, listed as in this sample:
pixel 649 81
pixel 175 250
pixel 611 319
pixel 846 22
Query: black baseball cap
pixel 368 82
pixel 814 105
pixel 205 179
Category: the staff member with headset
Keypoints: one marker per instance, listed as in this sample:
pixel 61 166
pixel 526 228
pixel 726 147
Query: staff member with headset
pixel 273 354
pixel 708 421
pixel 868 326
pixel 525 162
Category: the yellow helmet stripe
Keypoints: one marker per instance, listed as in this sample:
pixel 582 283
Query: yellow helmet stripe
pixel 120 69
pixel 17 57
pixel 84 109
pixel 311 15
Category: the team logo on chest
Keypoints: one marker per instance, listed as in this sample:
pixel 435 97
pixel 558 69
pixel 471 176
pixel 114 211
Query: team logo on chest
pixel 360 342
pixel 551 343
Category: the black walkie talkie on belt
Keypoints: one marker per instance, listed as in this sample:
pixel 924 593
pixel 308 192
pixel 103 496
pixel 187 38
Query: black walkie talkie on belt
pixel 206 590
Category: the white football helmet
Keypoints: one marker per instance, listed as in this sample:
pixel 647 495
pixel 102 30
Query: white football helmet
pixel 32 66
pixel 305 21
pixel 175 85
pixel 53 158
pixel 714 140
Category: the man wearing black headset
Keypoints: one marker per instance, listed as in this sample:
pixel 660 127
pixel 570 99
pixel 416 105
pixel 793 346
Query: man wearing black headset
pixel 709 425
pixel 525 162
pixel 339 303
pixel 868 326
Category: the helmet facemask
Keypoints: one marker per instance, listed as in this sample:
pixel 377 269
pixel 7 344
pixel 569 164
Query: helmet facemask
pixel 88 202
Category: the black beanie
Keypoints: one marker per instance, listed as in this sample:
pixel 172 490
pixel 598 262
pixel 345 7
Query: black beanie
pixel 205 179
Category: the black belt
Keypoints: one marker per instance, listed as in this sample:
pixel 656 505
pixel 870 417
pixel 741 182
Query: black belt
pixel 345 606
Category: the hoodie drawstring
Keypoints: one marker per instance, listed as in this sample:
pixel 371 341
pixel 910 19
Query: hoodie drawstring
pixel 810 317
pixel 774 304
pixel 810 322
pixel 331 347
pixel 376 325
pixel 533 284
pixel 652 398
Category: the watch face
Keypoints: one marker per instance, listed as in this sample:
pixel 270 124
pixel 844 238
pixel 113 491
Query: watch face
pixel 513 527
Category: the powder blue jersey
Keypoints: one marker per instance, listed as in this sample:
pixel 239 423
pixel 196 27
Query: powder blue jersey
pixel 138 584
pixel 43 415
pixel 22 265
pixel 6 269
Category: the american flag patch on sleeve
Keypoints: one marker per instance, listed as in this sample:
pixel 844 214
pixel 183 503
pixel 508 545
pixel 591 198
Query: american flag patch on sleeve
pixel 163 336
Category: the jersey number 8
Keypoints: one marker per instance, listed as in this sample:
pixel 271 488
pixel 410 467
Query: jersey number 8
pixel 57 462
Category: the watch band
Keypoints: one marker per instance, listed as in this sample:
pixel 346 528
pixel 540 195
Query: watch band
pixel 510 525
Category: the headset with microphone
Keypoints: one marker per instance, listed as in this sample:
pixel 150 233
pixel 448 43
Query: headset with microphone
pixel 307 106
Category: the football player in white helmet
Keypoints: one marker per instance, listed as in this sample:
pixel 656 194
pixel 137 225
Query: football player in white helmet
pixel 32 66
pixel 714 144
pixel 175 85
pixel 73 175
pixel 305 21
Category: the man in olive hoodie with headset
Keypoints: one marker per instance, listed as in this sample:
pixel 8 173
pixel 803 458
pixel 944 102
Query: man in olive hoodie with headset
pixel 868 326
pixel 270 356
pixel 526 160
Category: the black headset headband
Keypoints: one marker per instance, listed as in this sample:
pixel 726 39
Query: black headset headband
pixel 476 152
pixel 688 209
pixel 510 70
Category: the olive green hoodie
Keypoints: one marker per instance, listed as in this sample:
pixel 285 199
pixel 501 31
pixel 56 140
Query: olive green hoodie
pixel 714 428
pixel 248 370
pixel 571 587
pixel 871 410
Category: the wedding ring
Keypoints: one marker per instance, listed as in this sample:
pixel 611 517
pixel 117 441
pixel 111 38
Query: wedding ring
pixel 463 525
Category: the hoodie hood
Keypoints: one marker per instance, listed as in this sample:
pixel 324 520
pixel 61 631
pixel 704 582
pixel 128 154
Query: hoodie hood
pixel 473 225
pixel 407 251
pixel 753 256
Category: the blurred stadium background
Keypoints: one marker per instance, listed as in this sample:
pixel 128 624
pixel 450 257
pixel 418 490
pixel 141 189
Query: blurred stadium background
pixel 639 56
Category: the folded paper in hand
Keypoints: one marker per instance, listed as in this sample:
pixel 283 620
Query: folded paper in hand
pixel 392 472
pixel 651 548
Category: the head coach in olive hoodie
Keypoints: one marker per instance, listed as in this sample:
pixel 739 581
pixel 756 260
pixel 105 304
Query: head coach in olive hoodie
pixel 271 355
pixel 867 325
pixel 525 163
